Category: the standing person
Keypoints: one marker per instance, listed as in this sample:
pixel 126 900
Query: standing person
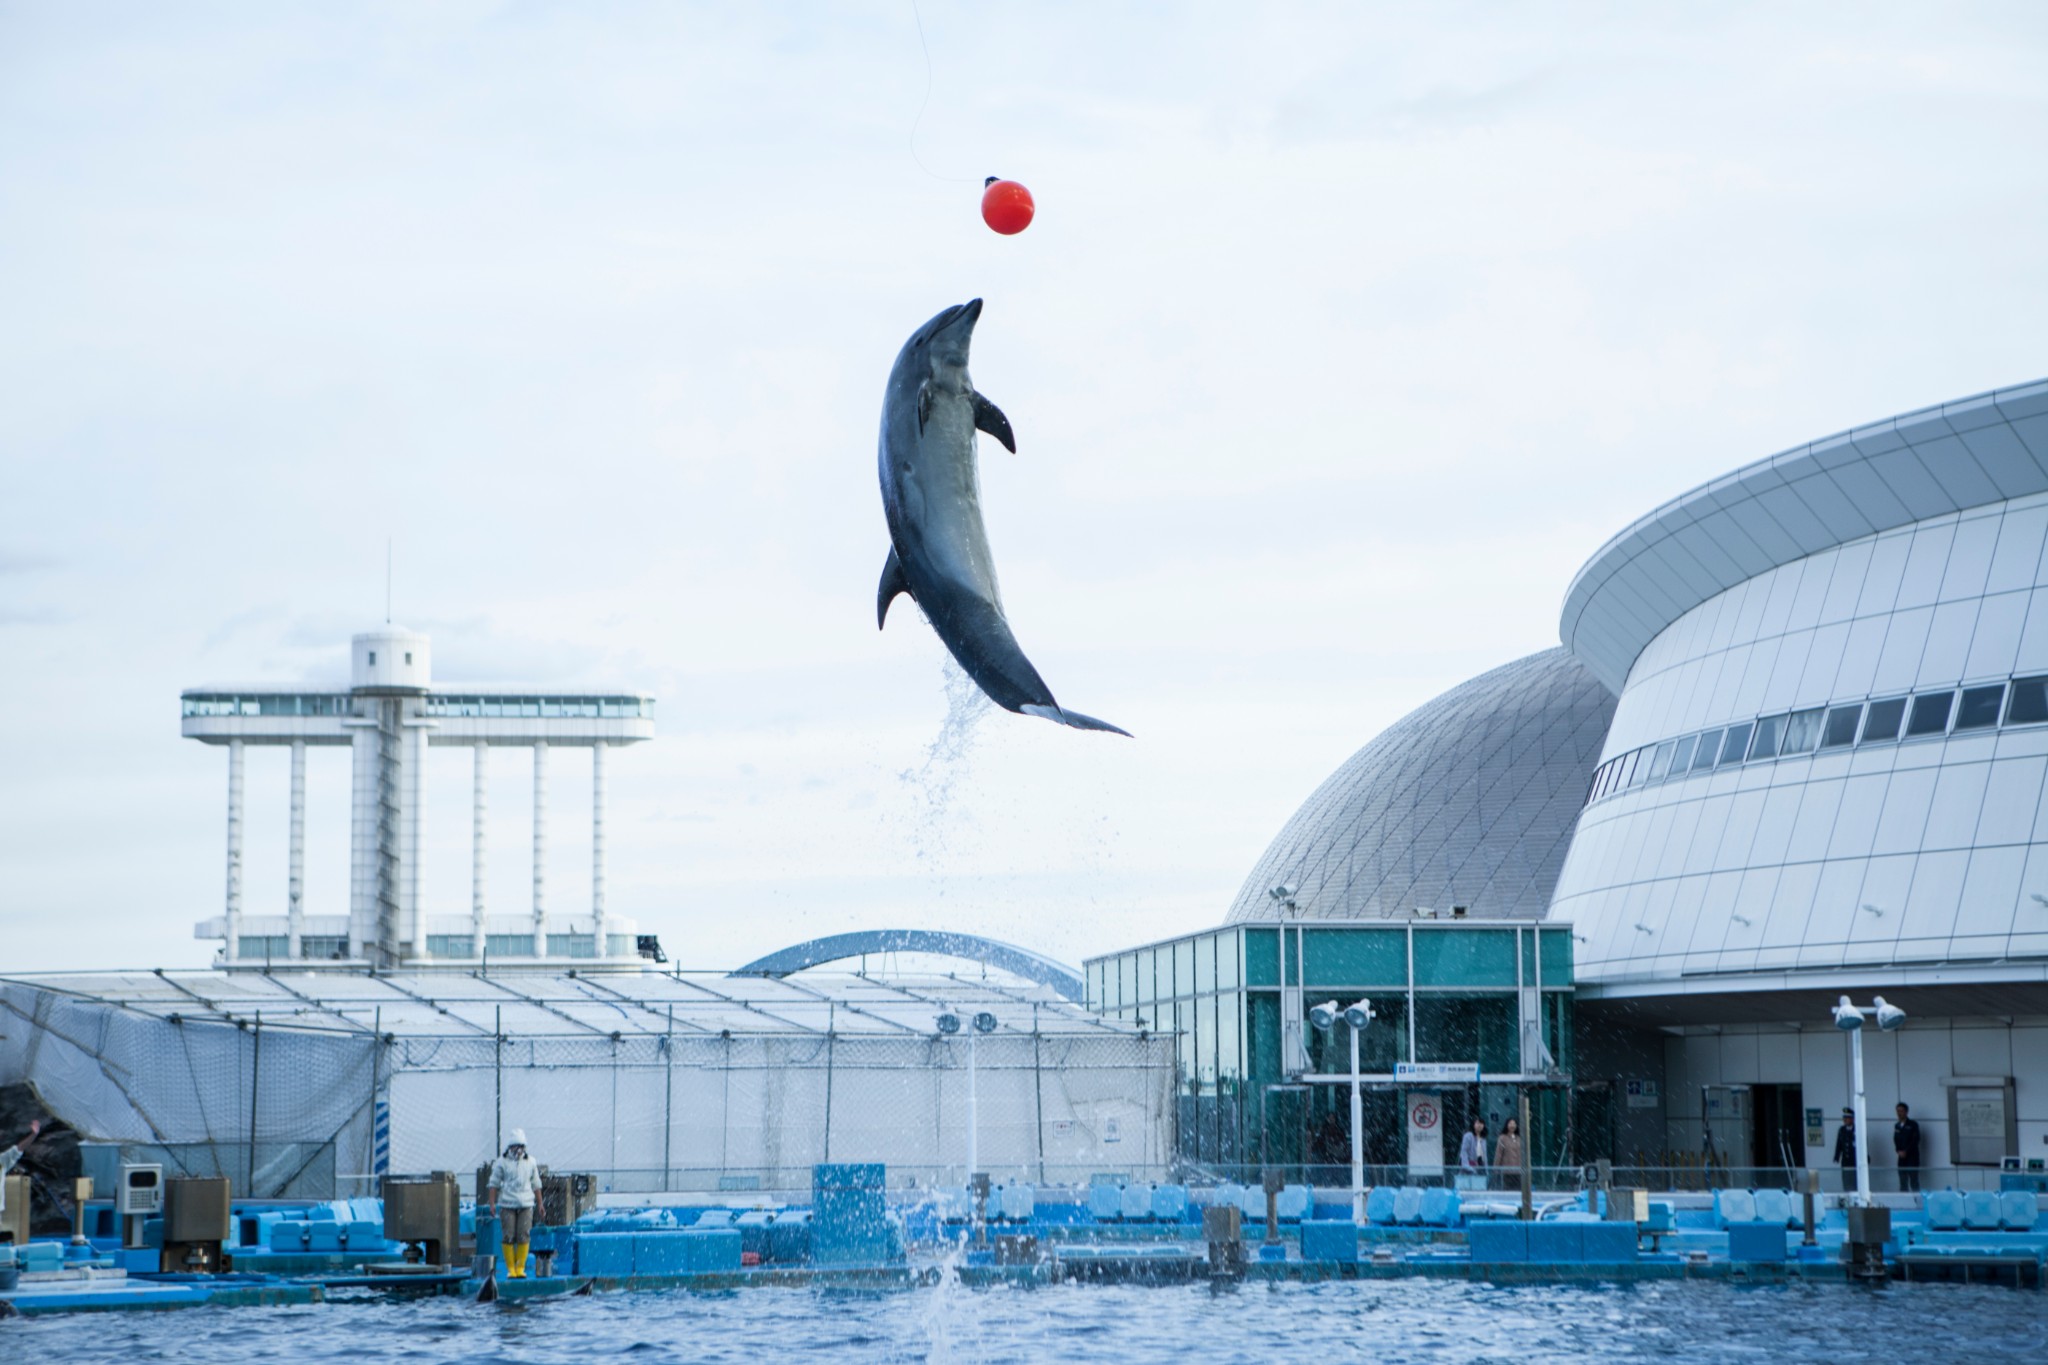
pixel 515 1188
pixel 1845 1150
pixel 1507 1154
pixel 1906 1147
pixel 12 1155
pixel 1472 1150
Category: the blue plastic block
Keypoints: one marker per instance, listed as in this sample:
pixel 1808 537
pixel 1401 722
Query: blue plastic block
pixel 1136 1203
pixel 1291 1204
pixel 1615 1243
pixel 865 1175
pixel 292 1235
pixel 1734 1206
pixel 1276 1251
pixel 605 1253
pixel 153 1232
pixel 1554 1241
pixel 1329 1242
pixel 489 1235
pixel 1774 1206
pixel 37 1257
pixel 2019 1210
pixel 789 1239
pixel 360 1234
pixel 1020 1202
pixel 1497 1241
pixel 1944 1210
pixel 711 1218
pixel 1106 1202
pixel 1751 1243
pixel 1408 1204
pixel 1440 1207
pixel 1379 1205
pixel 1980 1209
pixel 326 1236
pixel 1169 1203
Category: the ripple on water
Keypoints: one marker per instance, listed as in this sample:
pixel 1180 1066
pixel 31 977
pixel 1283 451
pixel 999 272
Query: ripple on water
pixel 1387 1321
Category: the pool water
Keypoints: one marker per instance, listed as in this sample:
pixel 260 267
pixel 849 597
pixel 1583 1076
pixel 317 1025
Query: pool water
pixel 1384 1320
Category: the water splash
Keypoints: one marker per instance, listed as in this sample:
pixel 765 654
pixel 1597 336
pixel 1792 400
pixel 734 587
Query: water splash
pixel 946 764
pixel 946 1307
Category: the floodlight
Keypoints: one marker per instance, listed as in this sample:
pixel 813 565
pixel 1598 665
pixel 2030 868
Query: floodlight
pixel 949 1023
pixel 1283 892
pixel 1359 1015
pixel 1324 1016
pixel 1889 1016
pixel 1847 1017
pixel 984 1022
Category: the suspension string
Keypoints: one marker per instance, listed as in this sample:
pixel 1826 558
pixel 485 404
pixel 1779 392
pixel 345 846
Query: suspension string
pixel 925 103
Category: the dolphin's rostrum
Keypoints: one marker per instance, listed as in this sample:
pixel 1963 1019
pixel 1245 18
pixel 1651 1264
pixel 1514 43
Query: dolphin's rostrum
pixel 931 494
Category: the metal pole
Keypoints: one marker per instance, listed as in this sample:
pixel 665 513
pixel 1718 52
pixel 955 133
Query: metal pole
pixel 1357 1138
pixel 1528 1158
pixel 831 1036
pixel 376 1060
pixel 255 1076
pixel 1862 1134
pixel 668 1109
pixel 1038 1089
pixel 498 1078
pixel 973 1121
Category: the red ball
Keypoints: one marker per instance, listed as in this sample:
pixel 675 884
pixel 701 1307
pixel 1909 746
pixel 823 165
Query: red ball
pixel 1006 206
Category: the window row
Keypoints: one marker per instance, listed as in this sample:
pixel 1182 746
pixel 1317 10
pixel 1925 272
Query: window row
pixel 273 704
pixel 589 708
pixel 1888 720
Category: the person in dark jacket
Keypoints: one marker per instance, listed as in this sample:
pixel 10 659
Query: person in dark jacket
pixel 1845 1150
pixel 1906 1147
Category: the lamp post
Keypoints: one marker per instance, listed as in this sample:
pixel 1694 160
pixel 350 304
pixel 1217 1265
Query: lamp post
pixel 1849 1018
pixel 1355 1017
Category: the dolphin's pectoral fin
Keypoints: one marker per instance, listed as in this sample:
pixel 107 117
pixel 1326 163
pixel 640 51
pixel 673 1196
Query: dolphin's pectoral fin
pixel 924 406
pixel 1073 718
pixel 989 418
pixel 893 582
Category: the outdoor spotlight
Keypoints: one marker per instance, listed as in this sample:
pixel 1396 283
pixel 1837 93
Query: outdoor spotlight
pixel 1847 1017
pixel 1324 1016
pixel 1359 1015
pixel 984 1022
pixel 1283 892
pixel 949 1023
pixel 1889 1016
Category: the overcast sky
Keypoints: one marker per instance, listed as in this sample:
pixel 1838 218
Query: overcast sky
pixel 1345 335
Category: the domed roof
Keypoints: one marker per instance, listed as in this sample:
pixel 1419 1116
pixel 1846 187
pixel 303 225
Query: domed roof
pixel 1468 800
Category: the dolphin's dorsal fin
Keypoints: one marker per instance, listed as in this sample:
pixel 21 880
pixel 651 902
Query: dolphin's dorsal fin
pixel 893 582
pixel 989 418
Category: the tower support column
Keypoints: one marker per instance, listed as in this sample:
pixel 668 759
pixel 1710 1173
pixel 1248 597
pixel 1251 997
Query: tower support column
pixel 415 780
pixel 233 951
pixel 600 928
pixel 540 847
pixel 477 865
pixel 295 895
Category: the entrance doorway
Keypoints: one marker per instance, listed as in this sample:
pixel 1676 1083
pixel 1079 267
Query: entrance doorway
pixel 1780 1142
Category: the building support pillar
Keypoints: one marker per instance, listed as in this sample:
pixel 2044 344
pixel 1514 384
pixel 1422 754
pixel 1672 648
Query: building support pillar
pixel 233 951
pixel 600 928
pixel 295 895
pixel 540 847
pixel 477 867
pixel 415 779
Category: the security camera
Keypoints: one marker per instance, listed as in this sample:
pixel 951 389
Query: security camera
pixel 1324 1016
pixel 1889 1016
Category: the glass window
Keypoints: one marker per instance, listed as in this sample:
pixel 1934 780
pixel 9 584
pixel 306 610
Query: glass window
pixel 1355 957
pixel 1227 978
pixel 2029 704
pixel 1629 767
pixel 1127 981
pixel 1468 1028
pixel 1841 726
pixel 1710 745
pixel 1802 732
pixel 1681 758
pixel 1660 762
pixel 1205 964
pixel 1464 957
pixel 1979 707
pixel 1557 960
pixel 1095 985
pixel 1184 967
pixel 1881 725
pixel 1261 957
pixel 1736 744
pixel 1262 1040
pixel 1148 969
pixel 1930 714
pixel 1768 732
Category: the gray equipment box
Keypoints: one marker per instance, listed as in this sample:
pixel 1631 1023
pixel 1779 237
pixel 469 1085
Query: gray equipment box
pixel 426 1211
pixel 198 1220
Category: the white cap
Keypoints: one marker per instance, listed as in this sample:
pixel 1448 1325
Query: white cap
pixel 518 1138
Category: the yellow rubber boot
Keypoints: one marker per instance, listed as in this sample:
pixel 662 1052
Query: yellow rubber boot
pixel 515 1257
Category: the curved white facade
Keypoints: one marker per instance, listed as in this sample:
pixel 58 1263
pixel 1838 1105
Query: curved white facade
pixel 1857 849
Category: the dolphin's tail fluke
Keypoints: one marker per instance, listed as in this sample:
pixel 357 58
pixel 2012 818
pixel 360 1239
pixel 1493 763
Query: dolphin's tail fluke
pixel 1073 718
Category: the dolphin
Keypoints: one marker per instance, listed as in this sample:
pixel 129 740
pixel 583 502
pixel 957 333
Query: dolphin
pixel 931 496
